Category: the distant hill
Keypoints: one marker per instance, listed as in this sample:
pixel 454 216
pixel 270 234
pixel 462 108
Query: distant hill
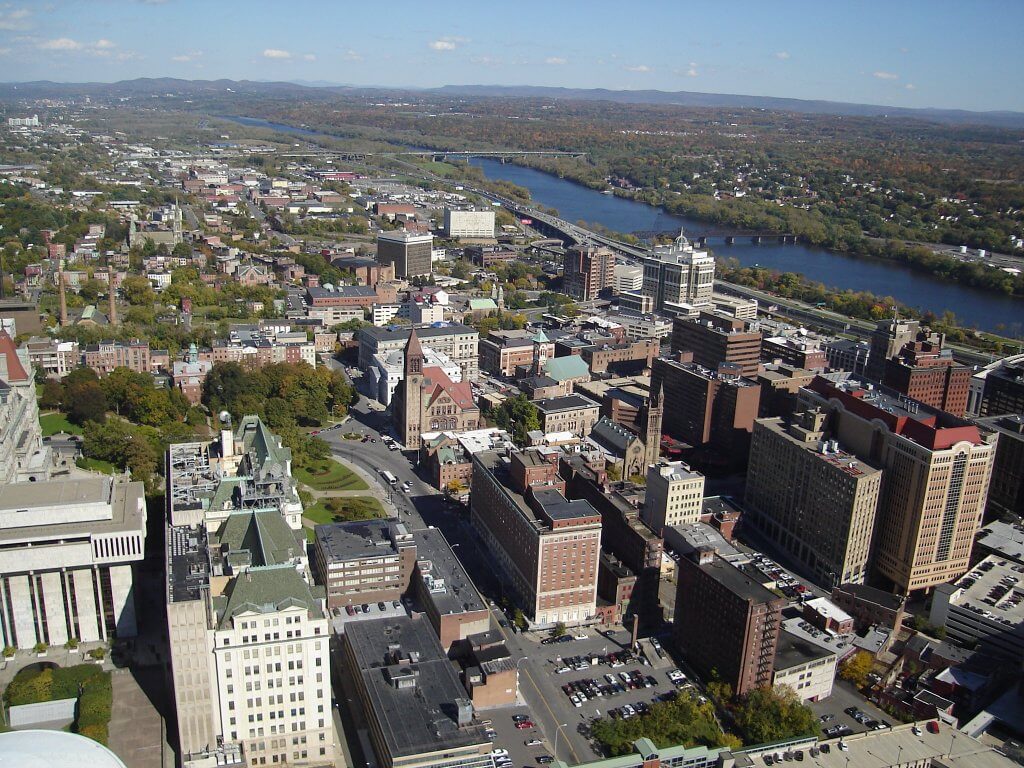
pixel 697 99
pixel 144 86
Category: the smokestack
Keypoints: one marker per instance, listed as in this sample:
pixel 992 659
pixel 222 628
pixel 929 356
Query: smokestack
pixel 63 297
pixel 112 318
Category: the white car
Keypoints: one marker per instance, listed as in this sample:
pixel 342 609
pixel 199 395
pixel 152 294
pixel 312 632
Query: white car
pixel 499 753
pixel 575 701
pixel 581 636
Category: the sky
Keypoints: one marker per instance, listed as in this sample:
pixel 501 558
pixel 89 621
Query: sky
pixel 910 53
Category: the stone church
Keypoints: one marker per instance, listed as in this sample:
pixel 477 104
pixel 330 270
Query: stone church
pixel 426 400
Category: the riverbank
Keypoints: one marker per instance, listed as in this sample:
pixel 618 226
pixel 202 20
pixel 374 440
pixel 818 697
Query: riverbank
pixel 810 227
pixel 973 308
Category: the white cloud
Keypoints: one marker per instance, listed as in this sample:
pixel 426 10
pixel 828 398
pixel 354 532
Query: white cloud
pixel 4 51
pixel 276 53
pixel 640 68
pixel 351 55
pixel 61 44
pixel 881 75
pixel 556 60
pixel 485 61
pixel 17 19
pixel 910 87
pixel 782 55
pixel 186 57
pixel 103 45
pixel 447 43
pixel 692 71
pixel 309 56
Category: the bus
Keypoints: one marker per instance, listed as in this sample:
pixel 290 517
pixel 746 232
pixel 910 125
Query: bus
pixel 392 480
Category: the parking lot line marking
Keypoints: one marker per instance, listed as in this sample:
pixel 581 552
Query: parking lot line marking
pixel 554 719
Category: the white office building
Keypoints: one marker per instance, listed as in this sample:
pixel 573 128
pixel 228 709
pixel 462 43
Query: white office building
pixel 66 549
pixel 679 278
pixel 675 495
pixel 468 223
pixel 249 634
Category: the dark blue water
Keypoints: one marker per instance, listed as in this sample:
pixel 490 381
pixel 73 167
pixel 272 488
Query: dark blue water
pixel 973 308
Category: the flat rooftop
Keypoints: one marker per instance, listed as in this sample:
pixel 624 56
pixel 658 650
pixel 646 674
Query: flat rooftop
pixel 994 588
pixel 435 555
pixel 188 563
pixel 794 651
pixel 565 403
pixel 420 718
pixel 738 581
pixel 1005 539
pixel 125 502
pixel 341 542
pixel 497 464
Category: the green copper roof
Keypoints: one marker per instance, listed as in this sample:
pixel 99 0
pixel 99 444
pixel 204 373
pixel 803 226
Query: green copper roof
pixel 568 367
pixel 541 337
pixel 267 590
pixel 264 534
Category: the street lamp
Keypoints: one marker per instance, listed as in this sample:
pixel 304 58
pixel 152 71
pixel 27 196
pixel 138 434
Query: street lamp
pixel 557 731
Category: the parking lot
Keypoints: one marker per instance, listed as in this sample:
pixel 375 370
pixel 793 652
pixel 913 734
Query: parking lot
pixel 843 698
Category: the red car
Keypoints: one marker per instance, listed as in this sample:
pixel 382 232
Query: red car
pixel 522 726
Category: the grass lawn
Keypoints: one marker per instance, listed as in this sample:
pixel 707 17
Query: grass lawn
pixel 52 423
pixel 344 509
pixel 330 475
pixel 96 465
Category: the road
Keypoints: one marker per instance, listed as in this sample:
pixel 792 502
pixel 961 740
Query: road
pixel 424 506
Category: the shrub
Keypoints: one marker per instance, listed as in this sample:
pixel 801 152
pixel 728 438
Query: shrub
pixel 9 651
pixel 97 653
pixel 72 643
pixel 40 647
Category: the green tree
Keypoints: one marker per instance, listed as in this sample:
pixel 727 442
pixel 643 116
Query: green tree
pixel 772 714
pixel 85 402
pixel 137 291
pixel 518 415
pixel 559 630
pixel 52 395
pixel 520 620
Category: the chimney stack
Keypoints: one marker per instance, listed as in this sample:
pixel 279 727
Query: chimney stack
pixel 112 318
pixel 63 297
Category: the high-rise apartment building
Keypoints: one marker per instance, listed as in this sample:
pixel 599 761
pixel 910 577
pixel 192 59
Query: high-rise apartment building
pixel 675 495
pixel 545 547
pixel 714 338
pixel 588 269
pixel 726 623
pixel 707 408
pixel 628 277
pixel 24 457
pixel 249 634
pixel 679 278
pixel 813 499
pixel 937 471
pixel 407 253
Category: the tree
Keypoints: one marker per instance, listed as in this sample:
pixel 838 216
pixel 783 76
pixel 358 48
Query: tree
pixel 85 402
pixel 559 630
pixel 773 714
pixel 518 415
pixel 52 394
pixel 857 667
pixel 137 291
pixel 520 620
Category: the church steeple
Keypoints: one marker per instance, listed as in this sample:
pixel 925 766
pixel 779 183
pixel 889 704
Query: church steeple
pixel 413 355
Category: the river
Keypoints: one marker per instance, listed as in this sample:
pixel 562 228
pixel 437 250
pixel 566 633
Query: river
pixel 973 308
pixel 575 202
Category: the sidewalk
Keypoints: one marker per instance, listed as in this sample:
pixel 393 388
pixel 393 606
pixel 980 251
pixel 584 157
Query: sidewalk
pixel 136 731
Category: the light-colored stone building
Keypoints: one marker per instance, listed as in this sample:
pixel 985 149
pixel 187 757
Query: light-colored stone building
pixel 813 498
pixel 675 495
pixel 248 631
